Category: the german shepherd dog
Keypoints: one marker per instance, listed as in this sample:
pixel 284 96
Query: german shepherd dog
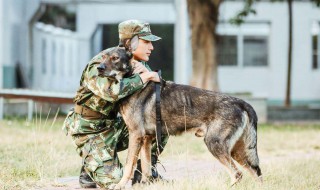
pixel 228 124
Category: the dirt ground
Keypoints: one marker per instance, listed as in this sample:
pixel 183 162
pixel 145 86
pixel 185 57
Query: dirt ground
pixel 277 147
pixel 171 170
pixel 177 169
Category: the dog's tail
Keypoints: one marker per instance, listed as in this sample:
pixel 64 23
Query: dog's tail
pixel 250 141
pixel 252 115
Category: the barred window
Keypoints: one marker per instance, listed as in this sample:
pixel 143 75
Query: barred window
pixel 246 45
pixel 227 51
pixel 255 51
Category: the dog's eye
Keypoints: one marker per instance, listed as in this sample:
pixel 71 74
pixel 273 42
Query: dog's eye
pixel 114 58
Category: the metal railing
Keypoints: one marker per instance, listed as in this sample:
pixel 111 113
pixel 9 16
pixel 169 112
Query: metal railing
pixel 56 54
pixel 34 95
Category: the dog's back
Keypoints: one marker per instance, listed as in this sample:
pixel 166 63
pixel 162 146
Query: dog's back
pixel 228 124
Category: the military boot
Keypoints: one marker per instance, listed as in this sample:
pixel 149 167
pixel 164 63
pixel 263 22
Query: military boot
pixel 154 171
pixel 85 180
pixel 137 176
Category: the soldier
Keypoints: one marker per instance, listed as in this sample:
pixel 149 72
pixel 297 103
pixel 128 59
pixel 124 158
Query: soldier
pixel 93 123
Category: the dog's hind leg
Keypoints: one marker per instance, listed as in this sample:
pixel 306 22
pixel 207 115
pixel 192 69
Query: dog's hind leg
pixel 245 153
pixel 220 151
pixel 218 146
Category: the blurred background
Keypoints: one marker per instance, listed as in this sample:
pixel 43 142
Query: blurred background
pixel 45 45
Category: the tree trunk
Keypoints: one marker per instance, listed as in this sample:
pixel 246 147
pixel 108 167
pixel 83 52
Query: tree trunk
pixel 203 16
pixel 288 91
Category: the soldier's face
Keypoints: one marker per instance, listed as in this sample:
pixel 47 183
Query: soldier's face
pixel 143 50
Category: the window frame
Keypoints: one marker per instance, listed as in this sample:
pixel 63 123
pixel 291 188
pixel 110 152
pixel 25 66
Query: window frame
pixel 267 50
pixel 315 32
pixel 259 29
pixel 236 57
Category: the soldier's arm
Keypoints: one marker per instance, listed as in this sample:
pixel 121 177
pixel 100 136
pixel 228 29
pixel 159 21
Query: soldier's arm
pixel 109 89
pixel 130 85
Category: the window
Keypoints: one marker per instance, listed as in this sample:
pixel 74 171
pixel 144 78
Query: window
pixel 244 46
pixel 315 32
pixel 227 50
pixel 255 51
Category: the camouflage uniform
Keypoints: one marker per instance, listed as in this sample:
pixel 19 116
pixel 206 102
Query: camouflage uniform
pixel 99 139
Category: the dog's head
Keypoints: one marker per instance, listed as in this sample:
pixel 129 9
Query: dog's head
pixel 116 64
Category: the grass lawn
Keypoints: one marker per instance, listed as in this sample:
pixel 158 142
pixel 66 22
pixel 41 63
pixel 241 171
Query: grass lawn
pixel 35 154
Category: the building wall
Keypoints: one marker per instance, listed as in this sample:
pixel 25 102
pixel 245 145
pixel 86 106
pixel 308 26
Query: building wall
pixel 15 34
pixel 182 43
pixel 56 60
pixel 157 12
pixel 270 81
pixel 1 41
pixel 89 16
pixel 306 81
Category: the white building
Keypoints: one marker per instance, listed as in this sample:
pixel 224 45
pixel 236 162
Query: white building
pixel 268 32
pixel 253 57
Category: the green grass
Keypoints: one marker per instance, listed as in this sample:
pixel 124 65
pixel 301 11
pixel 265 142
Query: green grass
pixel 35 154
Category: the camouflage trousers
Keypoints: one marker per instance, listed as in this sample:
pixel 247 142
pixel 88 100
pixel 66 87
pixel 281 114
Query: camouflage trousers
pixel 99 152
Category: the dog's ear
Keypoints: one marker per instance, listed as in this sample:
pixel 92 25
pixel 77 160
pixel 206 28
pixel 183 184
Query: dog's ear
pixel 121 45
pixel 129 54
pixel 127 45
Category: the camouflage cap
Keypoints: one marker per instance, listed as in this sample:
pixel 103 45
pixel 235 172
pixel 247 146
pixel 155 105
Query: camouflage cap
pixel 130 28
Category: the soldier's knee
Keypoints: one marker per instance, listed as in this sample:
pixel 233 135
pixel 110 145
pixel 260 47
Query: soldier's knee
pixel 104 176
pixel 103 167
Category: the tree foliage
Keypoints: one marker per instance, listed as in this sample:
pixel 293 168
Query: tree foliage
pixel 247 10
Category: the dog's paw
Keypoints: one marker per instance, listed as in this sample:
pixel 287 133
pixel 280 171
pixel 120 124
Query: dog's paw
pixel 147 180
pixel 115 187
pixel 237 177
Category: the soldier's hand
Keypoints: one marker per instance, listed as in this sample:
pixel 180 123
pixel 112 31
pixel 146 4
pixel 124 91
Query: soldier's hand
pixel 155 77
pixel 138 67
pixel 149 76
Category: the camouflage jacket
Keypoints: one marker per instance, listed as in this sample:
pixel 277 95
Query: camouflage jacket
pixel 100 94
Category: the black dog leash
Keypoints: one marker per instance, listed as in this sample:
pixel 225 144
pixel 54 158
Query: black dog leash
pixel 157 88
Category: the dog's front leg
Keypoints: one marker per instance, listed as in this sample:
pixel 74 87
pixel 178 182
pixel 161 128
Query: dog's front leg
pixel 145 154
pixel 135 143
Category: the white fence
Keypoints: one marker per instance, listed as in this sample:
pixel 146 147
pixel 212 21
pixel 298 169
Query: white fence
pixel 56 58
